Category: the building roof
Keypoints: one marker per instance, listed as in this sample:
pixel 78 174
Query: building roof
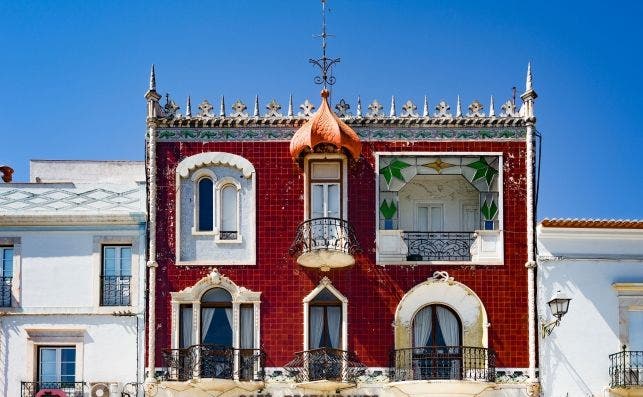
pixel 592 223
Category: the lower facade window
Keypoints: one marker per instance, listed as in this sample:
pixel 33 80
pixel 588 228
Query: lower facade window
pixel 116 275
pixel 57 367
pixel 6 275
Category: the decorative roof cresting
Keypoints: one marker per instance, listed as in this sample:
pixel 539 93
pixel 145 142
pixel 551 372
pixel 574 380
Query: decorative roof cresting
pixel 325 127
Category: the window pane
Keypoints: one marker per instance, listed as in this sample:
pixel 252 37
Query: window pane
pixel 635 326
pixel 229 209
pixel 126 261
pixel 423 219
pixel 68 369
pixel 6 269
pixel 185 331
pixel 47 355
pixel 109 261
pixel 436 219
pixel 333 200
pixel 317 198
pixel 206 209
pixel 68 355
pixel 325 170
pixel 246 327
pixel 216 295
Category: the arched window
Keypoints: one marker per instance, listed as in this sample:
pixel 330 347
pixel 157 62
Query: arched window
pixel 325 321
pixel 436 325
pixel 229 227
pixel 205 204
pixel 216 317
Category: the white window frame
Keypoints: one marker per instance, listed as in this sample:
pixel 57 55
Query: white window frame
pixel 54 337
pixel 427 204
pixel 218 195
pixel 99 243
pixel 58 362
pixel 118 266
pixel 344 181
pixel 14 242
pixel 630 299
pixel 325 283
pixel 197 176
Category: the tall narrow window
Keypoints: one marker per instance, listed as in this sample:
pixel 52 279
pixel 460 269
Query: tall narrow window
pixel 57 367
pixel 116 275
pixel 216 317
pixel 229 213
pixel 206 205
pixel 185 326
pixel 325 321
pixel 430 218
pixel 437 350
pixel 6 275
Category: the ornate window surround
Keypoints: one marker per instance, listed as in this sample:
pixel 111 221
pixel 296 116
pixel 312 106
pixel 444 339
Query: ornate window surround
pixel 630 299
pixel 444 290
pixel 15 243
pixel 326 283
pixel 192 296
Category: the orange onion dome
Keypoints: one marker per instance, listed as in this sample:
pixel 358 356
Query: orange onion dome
pixel 325 127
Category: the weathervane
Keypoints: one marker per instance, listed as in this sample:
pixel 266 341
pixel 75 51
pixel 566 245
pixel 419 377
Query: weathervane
pixel 324 63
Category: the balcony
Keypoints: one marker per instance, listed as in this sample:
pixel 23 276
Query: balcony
pixel 325 243
pixel 115 290
pixel 626 373
pixel 5 291
pixel 325 369
pixel 57 389
pixel 444 363
pixel 219 368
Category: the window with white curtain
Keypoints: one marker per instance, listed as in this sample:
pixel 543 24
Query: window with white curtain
pixel 216 318
pixel 325 321
pixel 436 325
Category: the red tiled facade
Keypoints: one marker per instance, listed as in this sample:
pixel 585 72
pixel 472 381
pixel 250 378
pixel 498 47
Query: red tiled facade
pixel 373 291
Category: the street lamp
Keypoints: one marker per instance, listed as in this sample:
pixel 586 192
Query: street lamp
pixel 558 304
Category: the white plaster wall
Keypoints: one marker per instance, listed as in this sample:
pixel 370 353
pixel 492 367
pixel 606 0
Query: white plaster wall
pixel 86 171
pixel 109 348
pixel 573 360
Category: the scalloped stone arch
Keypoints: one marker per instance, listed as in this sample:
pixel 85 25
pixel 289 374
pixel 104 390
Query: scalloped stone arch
pixel 215 158
pixel 445 291
pixel 215 280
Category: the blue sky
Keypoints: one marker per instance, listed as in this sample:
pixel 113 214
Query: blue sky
pixel 73 74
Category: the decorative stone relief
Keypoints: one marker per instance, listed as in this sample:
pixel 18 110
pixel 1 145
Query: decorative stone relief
pixel 171 108
pixel 307 109
pixel 375 109
pixel 273 109
pixel 205 109
pixel 508 109
pixel 475 109
pixel 443 110
pixel 239 109
pixel 409 109
pixel 343 108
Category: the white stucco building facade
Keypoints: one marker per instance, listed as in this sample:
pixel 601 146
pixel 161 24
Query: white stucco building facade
pixel 597 349
pixel 72 250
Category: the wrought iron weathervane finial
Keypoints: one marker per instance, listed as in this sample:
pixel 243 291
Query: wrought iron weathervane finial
pixel 324 63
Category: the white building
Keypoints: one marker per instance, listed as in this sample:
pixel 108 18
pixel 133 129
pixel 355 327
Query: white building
pixel 72 244
pixel 597 348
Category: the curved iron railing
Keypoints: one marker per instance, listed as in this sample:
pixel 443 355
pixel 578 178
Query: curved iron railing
pixel 332 234
pixel 626 369
pixel 71 389
pixel 325 364
pixel 214 361
pixel 439 246
pixel 444 362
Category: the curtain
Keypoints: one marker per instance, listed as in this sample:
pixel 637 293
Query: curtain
pixel 449 326
pixel 229 209
pixel 206 320
pixel 228 314
pixel 247 328
pixel 334 325
pixel 316 321
pixel 422 327
pixel 186 327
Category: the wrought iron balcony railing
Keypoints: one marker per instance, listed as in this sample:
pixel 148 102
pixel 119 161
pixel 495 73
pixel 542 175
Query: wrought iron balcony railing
pixel 325 364
pixel 439 246
pixel 214 361
pixel 71 389
pixel 228 235
pixel 5 291
pixel 331 234
pixel 115 290
pixel 626 369
pixel 444 362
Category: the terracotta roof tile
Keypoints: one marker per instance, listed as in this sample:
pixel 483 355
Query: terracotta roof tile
pixel 593 223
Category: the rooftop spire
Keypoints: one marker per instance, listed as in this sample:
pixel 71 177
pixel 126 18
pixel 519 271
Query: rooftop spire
pixel 324 63
pixel 528 83
pixel 152 79
pixel 188 108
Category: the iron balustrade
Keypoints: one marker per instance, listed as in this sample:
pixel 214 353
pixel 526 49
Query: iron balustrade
pixel 227 235
pixel 325 364
pixel 71 389
pixel 444 363
pixel 5 291
pixel 214 361
pixel 115 290
pixel 626 369
pixel 439 246
pixel 332 234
